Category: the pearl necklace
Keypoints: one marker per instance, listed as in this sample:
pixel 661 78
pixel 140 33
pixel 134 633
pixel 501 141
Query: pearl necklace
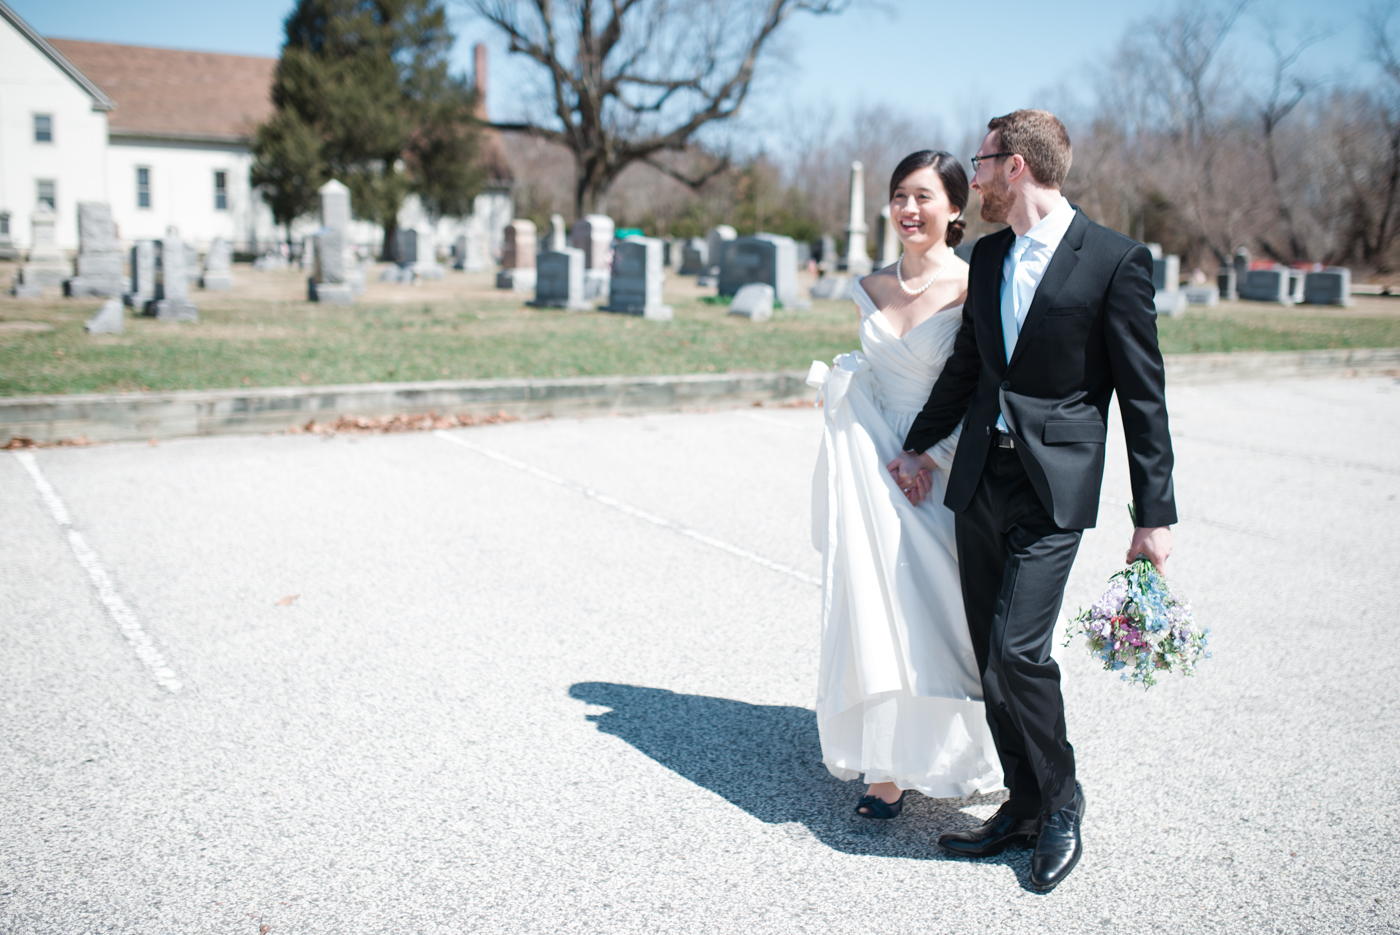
pixel 899 274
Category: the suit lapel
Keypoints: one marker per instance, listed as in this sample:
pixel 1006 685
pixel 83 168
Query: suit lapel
pixel 986 285
pixel 1064 261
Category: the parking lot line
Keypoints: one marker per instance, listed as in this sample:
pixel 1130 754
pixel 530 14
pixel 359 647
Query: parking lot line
pixel 631 510
pixel 107 593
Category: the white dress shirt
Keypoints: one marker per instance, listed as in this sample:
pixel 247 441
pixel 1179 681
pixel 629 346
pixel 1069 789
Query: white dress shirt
pixel 1024 268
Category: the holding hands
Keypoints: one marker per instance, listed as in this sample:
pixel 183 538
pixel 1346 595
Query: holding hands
pixel 914 474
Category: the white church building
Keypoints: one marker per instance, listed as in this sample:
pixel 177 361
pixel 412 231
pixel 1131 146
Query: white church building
pixel 163 137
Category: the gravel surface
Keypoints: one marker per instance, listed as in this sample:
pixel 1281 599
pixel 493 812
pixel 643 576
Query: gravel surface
pixel 497 704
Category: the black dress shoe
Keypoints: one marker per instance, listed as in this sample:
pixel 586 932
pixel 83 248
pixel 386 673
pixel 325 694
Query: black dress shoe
pixel 1058 848
pixel 993 836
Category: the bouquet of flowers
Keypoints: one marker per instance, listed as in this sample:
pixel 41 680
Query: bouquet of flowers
pixel 1139 628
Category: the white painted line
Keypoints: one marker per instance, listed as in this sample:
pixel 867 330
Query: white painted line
pixel 621 507
pixel 117 609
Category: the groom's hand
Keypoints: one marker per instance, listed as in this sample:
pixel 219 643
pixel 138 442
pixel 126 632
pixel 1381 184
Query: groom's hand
pixel 1155 544
pixel 913 474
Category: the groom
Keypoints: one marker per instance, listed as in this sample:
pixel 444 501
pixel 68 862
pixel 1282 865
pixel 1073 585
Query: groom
pixel 1059 317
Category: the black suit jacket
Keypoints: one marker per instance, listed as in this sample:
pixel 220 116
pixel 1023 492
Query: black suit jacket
pixel 1091 330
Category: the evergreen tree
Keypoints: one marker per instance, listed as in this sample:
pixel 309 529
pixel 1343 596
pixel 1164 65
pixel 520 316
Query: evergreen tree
pixel 363 95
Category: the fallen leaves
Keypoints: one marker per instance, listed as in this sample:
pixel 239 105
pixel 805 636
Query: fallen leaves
pixel 287 601
pixel 420 422
pixel 19 441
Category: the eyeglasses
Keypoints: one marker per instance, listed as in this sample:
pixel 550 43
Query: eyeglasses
pixel 978 160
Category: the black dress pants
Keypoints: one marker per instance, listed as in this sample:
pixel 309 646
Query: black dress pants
pixel 1014 562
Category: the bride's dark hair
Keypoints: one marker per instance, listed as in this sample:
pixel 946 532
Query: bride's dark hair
pixel 954 179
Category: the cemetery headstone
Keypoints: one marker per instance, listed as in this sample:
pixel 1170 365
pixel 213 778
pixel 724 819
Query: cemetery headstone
pixel 99 261
pixel 558 234
pixel 143 274
pixel 1241 265
pixel 336 214
pixel 754 302
pixel 45 265
pixel 518 257
pixel 559 280
pixel 172 301
pixel 637 277
pixel 593 234
pixel 1227 283
pixel 857 259
pixel 827 259
pixel 1166 273
pixel 218 262
pixel 1295 286
pixel 427 266
pixel 887 246
pixel 1170 304
pixel 715 243
pixel 8 250
pixel 694 254
pixel 1331 286
pixel 1201 295
pixel 459 252
pixel 769 258
pixel 108 320
pixel 1267 285
pixel 836 286
pixel 328 284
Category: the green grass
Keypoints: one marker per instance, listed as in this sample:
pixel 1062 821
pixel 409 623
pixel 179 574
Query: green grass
pixel 244 341
pixel 288 343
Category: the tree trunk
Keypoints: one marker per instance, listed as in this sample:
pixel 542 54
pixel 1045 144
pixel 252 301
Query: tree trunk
pixel 391 233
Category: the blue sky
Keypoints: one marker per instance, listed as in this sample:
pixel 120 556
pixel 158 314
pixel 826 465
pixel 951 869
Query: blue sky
pixel 926 59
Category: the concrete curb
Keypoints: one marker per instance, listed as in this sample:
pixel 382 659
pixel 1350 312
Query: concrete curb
pixel 139 416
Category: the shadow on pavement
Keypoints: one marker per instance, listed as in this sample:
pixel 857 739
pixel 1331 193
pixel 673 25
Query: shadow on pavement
pixel 766 759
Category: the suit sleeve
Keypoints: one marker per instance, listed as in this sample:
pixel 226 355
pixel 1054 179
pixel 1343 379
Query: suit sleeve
pixel 1139 379
pixel 947 401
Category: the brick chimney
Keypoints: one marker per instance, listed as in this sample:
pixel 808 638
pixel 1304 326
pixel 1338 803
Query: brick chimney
pixel 479 79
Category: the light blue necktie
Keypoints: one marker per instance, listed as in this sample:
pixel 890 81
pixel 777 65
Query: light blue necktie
pixel 1010 313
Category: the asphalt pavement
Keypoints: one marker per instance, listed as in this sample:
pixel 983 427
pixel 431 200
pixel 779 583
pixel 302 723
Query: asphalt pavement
pixel 557 676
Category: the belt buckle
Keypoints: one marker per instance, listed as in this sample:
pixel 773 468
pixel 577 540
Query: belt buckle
pixel 1004 440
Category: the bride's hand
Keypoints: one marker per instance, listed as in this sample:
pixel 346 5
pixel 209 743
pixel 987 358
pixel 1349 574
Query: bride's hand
pixel 910 472
pixel 919 490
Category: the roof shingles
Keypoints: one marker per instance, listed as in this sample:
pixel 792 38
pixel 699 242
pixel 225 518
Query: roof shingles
pixel 172 94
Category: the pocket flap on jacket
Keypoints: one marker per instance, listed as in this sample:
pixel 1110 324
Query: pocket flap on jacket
pixel 1061 432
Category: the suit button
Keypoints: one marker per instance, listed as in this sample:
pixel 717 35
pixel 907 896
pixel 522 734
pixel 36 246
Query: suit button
pixel 1006 384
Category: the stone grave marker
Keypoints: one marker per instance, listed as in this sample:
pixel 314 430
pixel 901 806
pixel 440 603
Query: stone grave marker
pixel 593 234
pixel 218 267
pixel 1331 286
pixel 637 277
pixel 694 254
pixel 857 259
pixel 558 233
pixel 835 286
pixel 715 243
pixel 887 243
pixel 172 301
pixel 769 258
pixel 99 262
pixel 1166 273
pixel 327 283
pixel 1241 265
pixel 108 320
pixel 754 302
pixel 827 259
pixel 559 280
pixel 45 265
pixel 143 275
pixel 8 250
pixel 1227 283
pixel 1295 285
pixel 518 258
pixel 1267 285
pixel 1201 295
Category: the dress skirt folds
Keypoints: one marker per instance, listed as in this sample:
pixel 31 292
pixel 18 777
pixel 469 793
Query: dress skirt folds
pixel 899 696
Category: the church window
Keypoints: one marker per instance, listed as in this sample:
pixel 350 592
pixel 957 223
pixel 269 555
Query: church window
pixel 43 128
pixel 143 187
pixel 47 194
pixel 220 191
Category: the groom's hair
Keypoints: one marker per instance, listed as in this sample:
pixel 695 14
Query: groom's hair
pixel 1038 137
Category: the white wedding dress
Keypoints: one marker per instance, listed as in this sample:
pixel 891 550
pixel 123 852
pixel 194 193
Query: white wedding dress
pixel 899 698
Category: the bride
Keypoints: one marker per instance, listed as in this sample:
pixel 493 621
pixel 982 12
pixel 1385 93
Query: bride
pixel 899 696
